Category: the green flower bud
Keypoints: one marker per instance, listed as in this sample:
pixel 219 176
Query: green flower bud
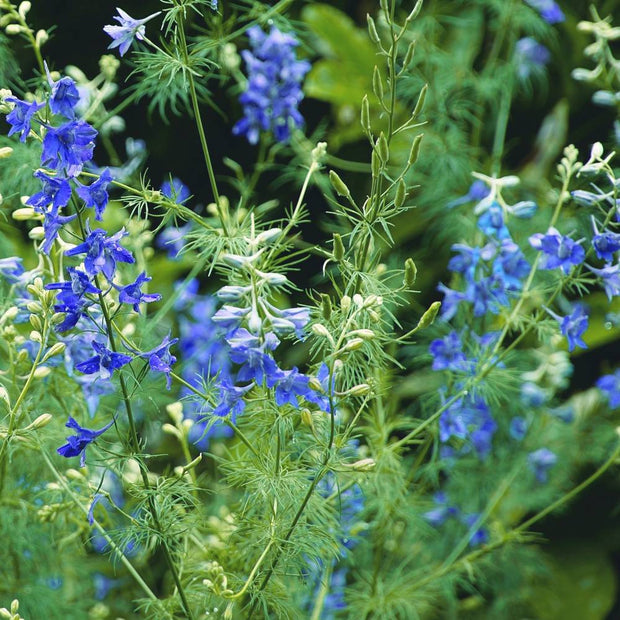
pixel 401 194
pixel 338 247
pixel 377 83
pixel 372 29
pixel 411 273
pixel 429 316
pixel 382 148
pixel 415 150
pixel 365 115
pixel 339 185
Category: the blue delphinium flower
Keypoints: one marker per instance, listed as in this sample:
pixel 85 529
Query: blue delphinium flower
pixel 610 386
pixel 610 277
pixel 104 363
pixel 52 224
pixel 448 353
pixel 548 9
pixel 248 350
pixel 478 190
pixel 129 28
pixel 289 385
pixel 102 252
pixel 96 194
pixel 69 146
pixel 559 250
pixel 573 326
pixel 531 57
pixel 480 535
pixel 64 97
pixel 274 85
pixel 540 462
pixel 231 399
pixel 132 293
pixel 518 428
pixel 56 191
pixel 438 516
pixel 492 222
pixel 77 444
pixel 605 243
pixel 20 117
pixel 160 359
pixel 175 190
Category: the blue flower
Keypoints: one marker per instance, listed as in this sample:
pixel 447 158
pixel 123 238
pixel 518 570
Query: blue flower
pixel 289 385
pixel 104 363
pixel 610 386
pixel 530 56
pixel 129 28
pixel 605 244
pixel 491 222
pixel 102 252
pixel 518 428
pixel 64 97
pixel 131 294
pixel 478 190
pixel 96 195
pixel 52 224
pixel 448 353
pixel 510 265
pixel 248 350
pixel 77 444
pixel 573 326
pixel 610 276
pixel 438 516
pixel 231 399
pixel 20 117
pixel 56 191
pixel 548 10
pixel 481 535
pixel 559 251
pixel 70 145
pixel 160 358
pixel 540 462
pixel 274 86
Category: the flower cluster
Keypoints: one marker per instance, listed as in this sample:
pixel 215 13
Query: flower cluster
pixel 273 92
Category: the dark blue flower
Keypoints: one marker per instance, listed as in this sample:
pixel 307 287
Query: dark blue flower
pixel 64 97
pixel 175 190
pixel 510 265
pixel 52 224
pixel 20 117
pixel 132 293
pixel 559 250
pixel 104 363
pixel 231 399
pixel 478 190
pixel 96 194
pixel 481 535
pixel 610 386
pixel 451 301
pixel 129 28
pixel 448 353
pixel 540 462
pixel 56 192
pixel 274 85
pixel 77 444
pixel 102 252
pixel 548 9
pixel 160 358
pixel 610 277
pixel 605 244
pixel 518 428
pixel 249 351
pixel 70 146
pixel 290 384
pixel 491 222
pixel 573 326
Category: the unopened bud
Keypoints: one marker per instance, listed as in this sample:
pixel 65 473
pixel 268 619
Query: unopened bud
pixel 382 148
pixel 365 115
pixel 429 316
pixel 326 306
pixel 14 29
pixel 320 330
pixel 345 303
pixel 411 273
pixel 353 345
pixel 377 86
pixel 401 194
pixel 338 247
pixel 41 372
pixel 43 420
pixel 339 185
pixel 37 233
pixel 372 30
pixel 175 411
pixel 415 150
pixel 56 349
pixel 365 334
pixel 35 336
pixel 35 321
pixel 4 396
pixel 171 430
pixel 359 390
pixel 24 214
pixel 306 418
pixel 41 37
pixel 319 151
pixel 362 465
pixel 23 8
pixel 5 151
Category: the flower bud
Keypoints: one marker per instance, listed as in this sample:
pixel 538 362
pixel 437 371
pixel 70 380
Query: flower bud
pixel 175 411
pixel 365 115
pixel 364 334
pixel 41 38
pixel 43 420
pixel 320 330
pixel 171 430
pixel 339 185
pixel 41 372
pixel 35 336
pixel 429 316
pixel 5 151
pixel 353 345
pixel 56 349
pixel 415 150
pixel 411 273
pixel 372 29
pixel 23 8
pixel 37 233
pixel 401 194
pixel 377 87
pixel 4 396
pixel 338 248
pixel 36 322
pixel 26 213
pixel 326 306
pixel 268 235
pixel 359 390
pixel 319 151
pixel 345 303
pixel 382 148
pixel 14 29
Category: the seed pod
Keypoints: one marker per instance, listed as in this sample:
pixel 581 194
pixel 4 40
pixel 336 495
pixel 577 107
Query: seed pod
pixel 408 56
pixel 382 148
pixel 326 306
pixel 401 194
pixel 411 273
pixel 377 83
pixel 375 164
pixel 415 150
pixel 414 13
pixel 365 115
pixel 338 247
pixel 372 30
pixel 339 185
pixel 420 102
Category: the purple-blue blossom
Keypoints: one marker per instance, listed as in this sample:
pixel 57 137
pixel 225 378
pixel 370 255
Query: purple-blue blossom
pixel 548 9
pixel 132 293
pixel 96 194
pixel 610 386
pixel 448 353
pixel 52 224
pixel 56 191
pixel 530 56
pixel 69 146
pixel 273 91
pixel 492 222
pixel 573 326
pixel 559 251
pixel 102 252
pixel 104 363
pixel 160 359
pixel 231 399
pixel 20 117
pixel 64 97
pixel 77 444
pixel 444 510
pixel 605 243
pixel 610 277
pixel 129 29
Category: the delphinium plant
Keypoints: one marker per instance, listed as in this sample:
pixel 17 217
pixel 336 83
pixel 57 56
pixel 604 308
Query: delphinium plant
pixel 193 425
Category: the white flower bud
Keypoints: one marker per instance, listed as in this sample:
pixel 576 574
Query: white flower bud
pixel 41 372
